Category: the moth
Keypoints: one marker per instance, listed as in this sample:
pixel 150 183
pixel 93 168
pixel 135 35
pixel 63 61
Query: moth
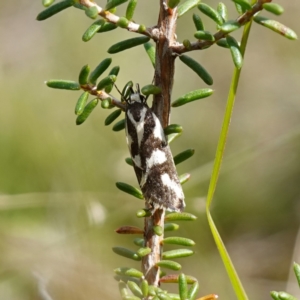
pixel 151 155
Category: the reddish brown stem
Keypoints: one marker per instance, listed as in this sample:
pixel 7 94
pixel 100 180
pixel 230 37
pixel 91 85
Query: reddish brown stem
pixel 164 75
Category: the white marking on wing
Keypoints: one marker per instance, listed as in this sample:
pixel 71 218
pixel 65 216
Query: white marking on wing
pixel 139 126
pixel 157 157
pixel 137 161
pixel 143 179
pixel 172 185
pixel 129 141
pixel 158 131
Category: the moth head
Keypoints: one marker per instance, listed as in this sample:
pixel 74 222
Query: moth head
pixel 136 96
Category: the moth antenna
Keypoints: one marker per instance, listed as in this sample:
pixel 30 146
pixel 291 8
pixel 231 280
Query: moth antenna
pixel 138 88
pixel 122 98
pixel 117 89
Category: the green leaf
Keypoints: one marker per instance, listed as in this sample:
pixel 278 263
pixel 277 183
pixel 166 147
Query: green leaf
pixel 113 3
pixel 222 11
pixel 273 8
pixel 144 287
pixel 183 287
pixel 112 117
pixel 79 6
pixel 122 22
pixel 169 264
pixel 277 27
pixel 112 10
pixel 179 158
pixel 175 240
pixel 150 49
pixel 193 291
pixel 197 68
pixel 142 28
pixel 223 43
pixel 131 272
pixel 107 27
pixel 174 296
pixel 131 298
pixel 92 12
pixel 63 84
pixel 171 137
pixel 244 4
pixel 92 30
pixel 139 242
pixel 47 3
pixel 286 296
pixel 230 26
pixel 186 6
pixel 119 125
pixel 152 290
pixel 129 189
pixel 184 178
pixel 178 253
pixel 198 22
pixel 163 296
pixel 127 44
pixel 114 71
pixel 180 217
pixel 107 103
pixel 211 13
pixel 173 128
pixel 235 52
pixel 143 213
pixel 150 89
pixel 99 70
pixel 239 9
pixel 108 80
pixel 143 251
pixel 192 96
pixel 84 74
pixel 123 289
pixel 54 9
pixel 129 161
pixel 87 111
pixel 187 44
pixel 274 295
pixel 130 9
pixel 204 35
pixel 171 227
pixel 158 230
pixel 135 289
pixel 173 3
pixel 81 103
pixel 297 272
pixel 126 253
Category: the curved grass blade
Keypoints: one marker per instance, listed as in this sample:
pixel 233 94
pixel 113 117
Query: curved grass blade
pixel 233 276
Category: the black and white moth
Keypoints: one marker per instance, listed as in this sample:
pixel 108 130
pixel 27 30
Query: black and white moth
pixel 151 156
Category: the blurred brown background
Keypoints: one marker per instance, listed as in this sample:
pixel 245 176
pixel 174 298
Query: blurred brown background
pixel 59 205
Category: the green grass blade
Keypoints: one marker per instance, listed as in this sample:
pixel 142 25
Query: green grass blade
pixel 233 276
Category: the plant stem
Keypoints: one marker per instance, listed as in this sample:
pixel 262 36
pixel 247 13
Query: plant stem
pixel 164 77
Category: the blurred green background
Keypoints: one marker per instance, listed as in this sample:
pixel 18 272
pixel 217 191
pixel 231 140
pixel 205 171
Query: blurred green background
pixel 59 205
